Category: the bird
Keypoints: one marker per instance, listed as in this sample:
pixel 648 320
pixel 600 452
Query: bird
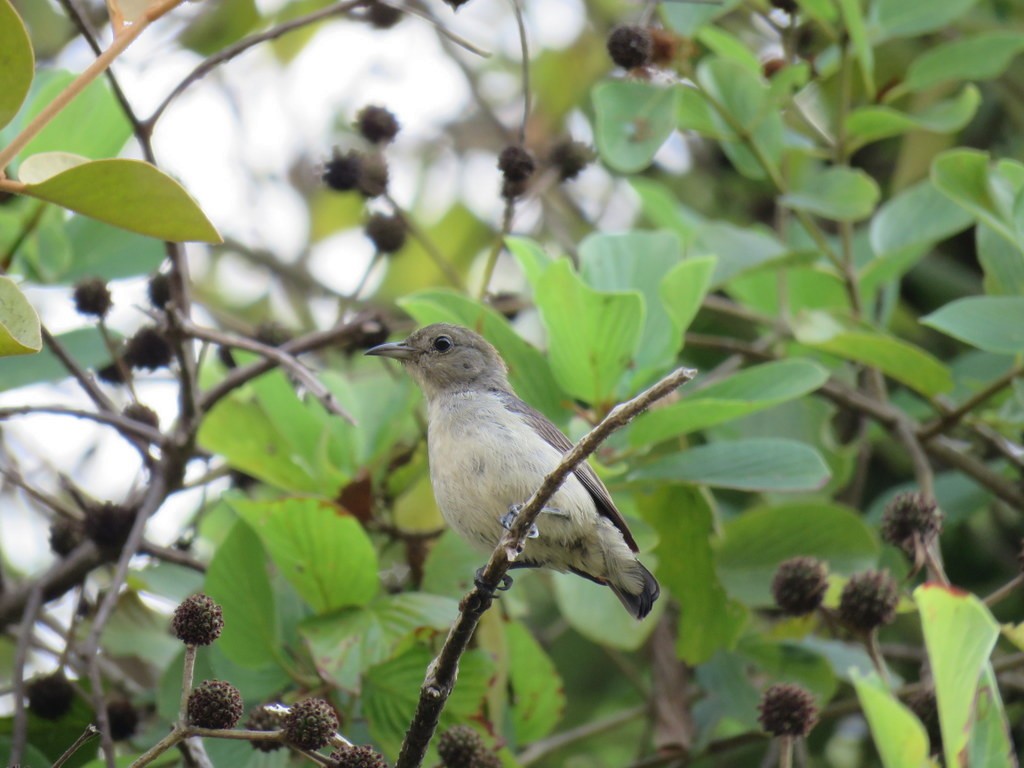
pixel 488 451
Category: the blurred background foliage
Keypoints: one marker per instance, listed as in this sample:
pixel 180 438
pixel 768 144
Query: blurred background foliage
pixel 819 204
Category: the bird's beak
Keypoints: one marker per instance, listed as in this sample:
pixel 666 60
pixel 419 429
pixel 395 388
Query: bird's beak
pixel 397 350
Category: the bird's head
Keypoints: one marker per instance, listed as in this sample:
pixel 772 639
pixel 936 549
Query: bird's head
pixel 445 358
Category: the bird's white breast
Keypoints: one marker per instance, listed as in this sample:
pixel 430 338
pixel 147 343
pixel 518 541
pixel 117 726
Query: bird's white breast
pixel 484 458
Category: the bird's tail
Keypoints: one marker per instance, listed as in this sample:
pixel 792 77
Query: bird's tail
pixel 638 604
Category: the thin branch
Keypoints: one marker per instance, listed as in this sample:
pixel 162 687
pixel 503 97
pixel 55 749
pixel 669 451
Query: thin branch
pixel 954 415
pixel 441 675
pixel 110 418
pixel 99 65
pixel 360 325
pixel 87 735
pixel 84 378
pixel 160 484
pixel 541 749
pixel 62 576
pixel 85 29
pixel 524 49
pixel 1013 585
pixel 28 620
pixel 226 54
pixel 277 355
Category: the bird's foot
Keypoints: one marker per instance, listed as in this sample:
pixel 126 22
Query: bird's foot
pixel 510 517
pixel 504 586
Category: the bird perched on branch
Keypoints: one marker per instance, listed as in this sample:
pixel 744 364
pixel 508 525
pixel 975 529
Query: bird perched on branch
pixel 489 451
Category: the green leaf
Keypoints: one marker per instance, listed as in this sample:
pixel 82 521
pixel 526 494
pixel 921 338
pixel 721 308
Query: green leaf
pixel 528 371
pixel 109 252
pixel 791 662
pixel 755 543
pixel 841 194
pixel 721 43
pixel 322 552
pixel 84 345
pixel 865 53
pixel 391 692
pixel 963 176
pixel 739 249
pixel 595 612
pixel 632 121
pixel 896 358
pixel 450 565
pixel 1001 261
pixel 694 113
pixel 592 335
pixel 129 194
pixel 96 107
pixel 237 579
pixel 637 261
pixel 919 215
pixel 898 18
pixel 17 62
pixel 685 19
pixel 989 741
pixel 538 694
pixel 756 464
pixel 663 209
pixel 742 103
pixel 682 290
pixel 901 740
pixel 708 619
pixel 754 389
pixel 44 165
pixel 532 258
pixel 980 57
pixel 242 432
pixel 959 634
pixel 869 124
pixel 992 323
pixel 20 332
pixel 347 643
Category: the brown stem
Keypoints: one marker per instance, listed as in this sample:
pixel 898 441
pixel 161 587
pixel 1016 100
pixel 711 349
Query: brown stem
pixel 277 355
pixel 88 734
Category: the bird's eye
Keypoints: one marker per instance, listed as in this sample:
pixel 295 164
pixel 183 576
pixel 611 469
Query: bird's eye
pixel 443 343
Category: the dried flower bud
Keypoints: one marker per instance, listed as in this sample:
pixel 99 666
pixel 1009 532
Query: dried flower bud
pixel 910 516
pixel 198 620
pixel 630 47
pixel 310 724
pixel 799 585
pixel 868 600
pixel 377 124
pixel 788 710
pixel 214 704
pixel 92 297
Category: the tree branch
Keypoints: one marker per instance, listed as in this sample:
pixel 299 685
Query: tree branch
pixel 440 679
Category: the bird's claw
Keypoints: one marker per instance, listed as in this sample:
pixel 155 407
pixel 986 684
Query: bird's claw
pixel 504 586
pixel 509 518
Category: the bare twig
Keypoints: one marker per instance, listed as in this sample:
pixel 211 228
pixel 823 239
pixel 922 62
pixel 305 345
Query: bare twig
pixel 541 749
pixel 361 324
pixel 278 355
pixel 62 576
pixel 31 613
pixel 83 377
pixel 87 735
pixel 954 415
pixel 243 45
pixel 1013 585
pixel 440 679
pixel 111 418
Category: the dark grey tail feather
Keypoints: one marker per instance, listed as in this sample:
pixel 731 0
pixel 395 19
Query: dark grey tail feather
pixel 639 605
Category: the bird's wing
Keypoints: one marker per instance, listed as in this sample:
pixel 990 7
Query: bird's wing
pixel 584 472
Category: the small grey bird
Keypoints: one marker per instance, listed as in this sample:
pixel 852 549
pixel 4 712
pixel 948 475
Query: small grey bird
pixel 489 451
